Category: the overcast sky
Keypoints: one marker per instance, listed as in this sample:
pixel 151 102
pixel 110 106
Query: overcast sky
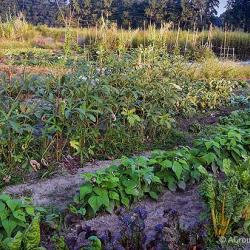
pixel 222 6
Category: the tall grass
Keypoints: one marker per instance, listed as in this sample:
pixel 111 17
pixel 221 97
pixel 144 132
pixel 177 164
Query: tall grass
pixel 223 43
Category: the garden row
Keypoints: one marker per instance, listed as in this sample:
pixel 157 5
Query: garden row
pixel 118 104
pixel 224 153
pixel 137 177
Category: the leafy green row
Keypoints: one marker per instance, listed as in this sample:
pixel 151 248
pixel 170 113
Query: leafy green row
pixel 137 177
pixel 110 106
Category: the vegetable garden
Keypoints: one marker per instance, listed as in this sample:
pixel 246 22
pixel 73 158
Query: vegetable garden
pixel 193 120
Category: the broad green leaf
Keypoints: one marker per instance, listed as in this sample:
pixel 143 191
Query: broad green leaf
pixel 141 161
pixel 125 201
pixel 166 164
pixel 153 195
pixel 103 195
pixel 130 184
pixel 156 179
pixel 195 174
pixel 4 197
pixel 95 202
pixel 172 186
pixel 202 170
pixel 84 190
pixel 30 210
pixel 2 207
pixel 132 191
pixel 95 244
pixel 177 168
pixel 110 208
pixel 20 215
pixel 9 226
pixel 4 214
pixel 114 196
pixel 171 182
pixel 208 144
pixel 152 162
pixel 13 243
pixel 32 236
pixel 209 158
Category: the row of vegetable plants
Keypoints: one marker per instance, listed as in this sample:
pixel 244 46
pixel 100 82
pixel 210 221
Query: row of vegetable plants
pixel 220 163
pixel 141 176
pixel 225 153
pixel 111 106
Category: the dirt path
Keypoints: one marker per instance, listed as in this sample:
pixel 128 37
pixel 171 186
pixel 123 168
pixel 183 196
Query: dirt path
pixel 58 191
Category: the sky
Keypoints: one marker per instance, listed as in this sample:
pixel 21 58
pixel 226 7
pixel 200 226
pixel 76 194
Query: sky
pixel 222 6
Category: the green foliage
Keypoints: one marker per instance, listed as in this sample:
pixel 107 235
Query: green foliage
pixel 176 168
pixel 32 235
pixel 226 200
pixel 232 143
pixel 137 177
pixel 118 104
pixel 240 118
pixel 37 57
pixel 229 200
pixel 59 243
pixel 237 14
pixel 15 215
pixel 107 105
pixel 95 243
pixel 15 135
pixel 116 186
pixel 131 13
pixel 241 171
pixel 19 225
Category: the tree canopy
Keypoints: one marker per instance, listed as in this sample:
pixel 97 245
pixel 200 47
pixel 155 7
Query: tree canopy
pixel 237 15
pixel 137 13
pixel 186 14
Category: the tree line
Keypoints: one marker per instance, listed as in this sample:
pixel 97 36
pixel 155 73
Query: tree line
pixel 138 13
pixel 237 15
pixel 186 14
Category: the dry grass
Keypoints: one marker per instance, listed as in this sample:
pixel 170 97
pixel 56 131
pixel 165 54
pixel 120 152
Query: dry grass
pixel 14 70
pixel 213 68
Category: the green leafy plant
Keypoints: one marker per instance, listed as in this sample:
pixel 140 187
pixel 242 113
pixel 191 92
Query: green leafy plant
pixel 226 201
pixel 232 143
pixel 115 186
pixel 19 225
pixel 176 168
pixel 239 118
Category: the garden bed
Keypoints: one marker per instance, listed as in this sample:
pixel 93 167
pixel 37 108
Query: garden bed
pixel 107 107
pixel 187 204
